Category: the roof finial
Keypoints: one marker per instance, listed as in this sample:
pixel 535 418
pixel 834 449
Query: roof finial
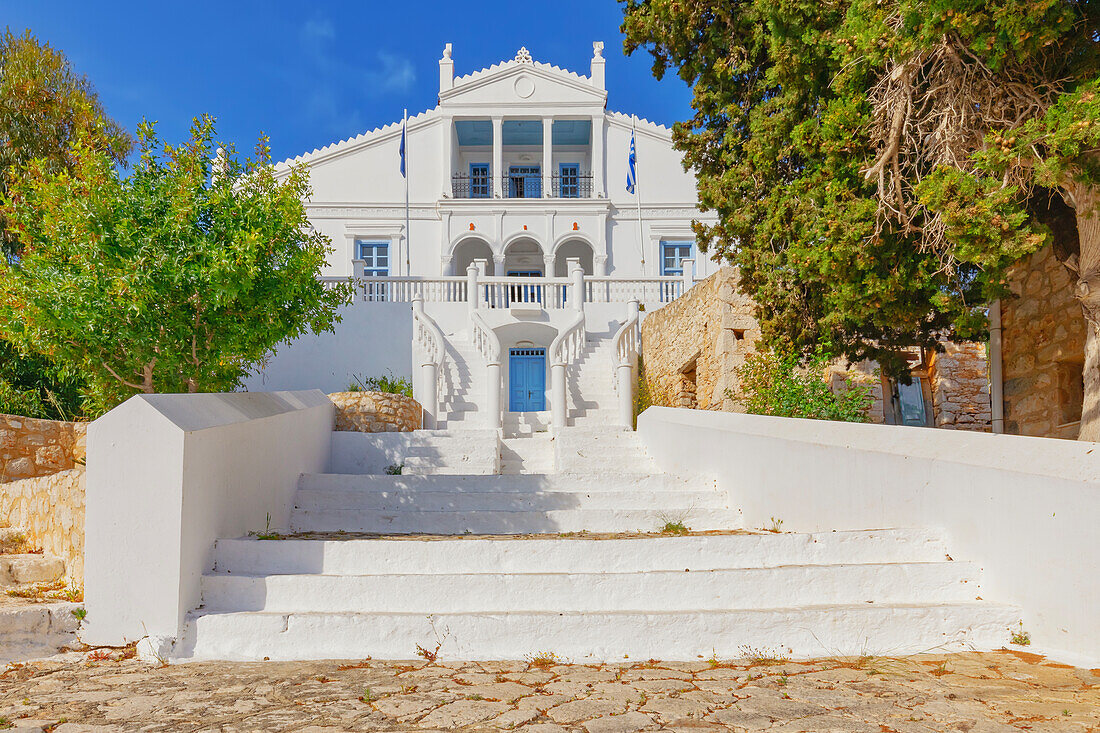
pixel 447 51
pixel 597 49
pixel 523 56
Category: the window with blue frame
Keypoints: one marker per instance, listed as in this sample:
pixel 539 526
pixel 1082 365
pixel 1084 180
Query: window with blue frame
pixel 570 177
pixel 671 255
pixel 479 181
pixel 525 182
pixel 376 263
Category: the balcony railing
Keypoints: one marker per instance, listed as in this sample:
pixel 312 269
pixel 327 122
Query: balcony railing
pixel 506 292
pixel 572 186
pixel 521 186
pixel 464 186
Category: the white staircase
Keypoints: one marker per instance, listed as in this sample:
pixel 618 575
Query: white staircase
pixel 518 566
pixel 684 598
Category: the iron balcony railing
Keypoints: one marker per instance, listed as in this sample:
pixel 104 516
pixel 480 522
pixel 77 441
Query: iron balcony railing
pixel 521 186
pixel 570 186
pixel 465 186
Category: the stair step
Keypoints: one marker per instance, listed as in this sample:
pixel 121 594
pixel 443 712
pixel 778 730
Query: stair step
pixel 30 568
pixel 524 483
pixel 554 555
pixel 894 629
pixel 669 590
pixel 506 522
pixel 511 501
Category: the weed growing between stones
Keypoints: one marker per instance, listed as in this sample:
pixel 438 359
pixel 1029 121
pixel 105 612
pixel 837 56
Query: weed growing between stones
pixel 544 660
pixel 1021 637
pixel 433 654
pixel 266 534
pixel 762 655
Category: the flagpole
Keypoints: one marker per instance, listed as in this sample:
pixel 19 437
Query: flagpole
pixel 408 237
pixel 638 189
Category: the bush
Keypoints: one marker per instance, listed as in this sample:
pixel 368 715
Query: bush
pixel 777 384
pixel 388 383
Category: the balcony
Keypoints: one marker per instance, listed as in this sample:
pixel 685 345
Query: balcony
pixel 522 185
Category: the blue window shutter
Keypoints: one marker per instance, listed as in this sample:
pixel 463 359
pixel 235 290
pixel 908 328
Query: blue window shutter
pixel 479 180
pixel 672 253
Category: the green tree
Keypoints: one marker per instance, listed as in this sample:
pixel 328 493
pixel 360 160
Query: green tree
pixel 176 278
pixel 772 383
pixel 44 107
pixel 876 165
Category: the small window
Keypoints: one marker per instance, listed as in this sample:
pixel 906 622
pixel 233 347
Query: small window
pixel 570 180
pixel 479 181
pixel 376 263
pixel 672 253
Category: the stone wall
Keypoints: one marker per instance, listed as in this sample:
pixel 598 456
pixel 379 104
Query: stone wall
pixel 30 447
pixel 376 412
pixel 50 510
pixel 1043 349
pixel 960 387
pixel 692 347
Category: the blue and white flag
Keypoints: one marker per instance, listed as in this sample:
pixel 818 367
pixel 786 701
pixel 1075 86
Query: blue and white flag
pixel 632 166
pixel 404 128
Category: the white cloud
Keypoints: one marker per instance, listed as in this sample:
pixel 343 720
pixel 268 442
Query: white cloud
pixel 396 74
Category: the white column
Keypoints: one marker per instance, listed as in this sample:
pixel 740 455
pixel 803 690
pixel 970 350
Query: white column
pixel 547 157
pixel 557 396
pixel 625 372
pixel 498 157
pixel 688 273
pixel 473 298
pixel 482 266
pixel 492 402
pixel 598 156
pixel 576 272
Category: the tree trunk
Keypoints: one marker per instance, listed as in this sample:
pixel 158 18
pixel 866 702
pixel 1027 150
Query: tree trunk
pixel 1087 205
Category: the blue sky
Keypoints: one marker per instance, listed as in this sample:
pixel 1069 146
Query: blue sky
pixel 310 73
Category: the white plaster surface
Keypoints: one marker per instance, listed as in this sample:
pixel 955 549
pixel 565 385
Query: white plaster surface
pixel 1024 509
pixel 170 474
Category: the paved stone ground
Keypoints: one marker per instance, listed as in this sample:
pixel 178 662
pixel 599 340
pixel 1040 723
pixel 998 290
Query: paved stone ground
pixel 972 693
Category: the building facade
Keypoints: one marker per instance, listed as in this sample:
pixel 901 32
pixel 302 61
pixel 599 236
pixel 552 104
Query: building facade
pixel 518 218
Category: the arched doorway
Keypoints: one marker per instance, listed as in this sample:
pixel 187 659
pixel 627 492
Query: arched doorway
pixel 523 257
pixel 572 248
pixel 469 250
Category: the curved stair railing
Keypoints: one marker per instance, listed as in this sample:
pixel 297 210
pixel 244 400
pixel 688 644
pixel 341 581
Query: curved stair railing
pixel 487 344
pixel 626 358
pixel 428 342
pixel 564 350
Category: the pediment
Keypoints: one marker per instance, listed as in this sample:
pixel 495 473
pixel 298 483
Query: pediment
pixel 523 85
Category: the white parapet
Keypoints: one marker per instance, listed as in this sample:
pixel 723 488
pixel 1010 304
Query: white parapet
pixel 170 474
pixel 1025 509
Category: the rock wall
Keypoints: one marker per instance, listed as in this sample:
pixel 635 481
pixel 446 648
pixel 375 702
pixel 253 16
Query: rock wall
pixel 50 511
pixel 1043 349
pixel 692 347
pixel 31 447
pixel 960 387
pixel 376 412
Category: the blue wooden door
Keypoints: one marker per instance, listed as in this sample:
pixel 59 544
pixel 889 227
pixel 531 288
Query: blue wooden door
pixel 526 380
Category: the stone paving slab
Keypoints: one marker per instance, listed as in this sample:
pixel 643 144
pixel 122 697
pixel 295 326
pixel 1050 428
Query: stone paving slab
pixel 99 691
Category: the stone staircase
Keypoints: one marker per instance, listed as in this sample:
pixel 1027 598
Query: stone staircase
pixel 568 560
pixel 28 628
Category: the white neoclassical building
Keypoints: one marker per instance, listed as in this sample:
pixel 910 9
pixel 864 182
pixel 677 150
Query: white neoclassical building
pixel 509 284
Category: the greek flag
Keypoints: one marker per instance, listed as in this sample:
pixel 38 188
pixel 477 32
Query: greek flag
pixel 632 166
pixel 404 125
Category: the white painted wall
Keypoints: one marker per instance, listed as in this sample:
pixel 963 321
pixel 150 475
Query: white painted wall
pixel 371 339
pixel 1024 508
pixel 168 475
